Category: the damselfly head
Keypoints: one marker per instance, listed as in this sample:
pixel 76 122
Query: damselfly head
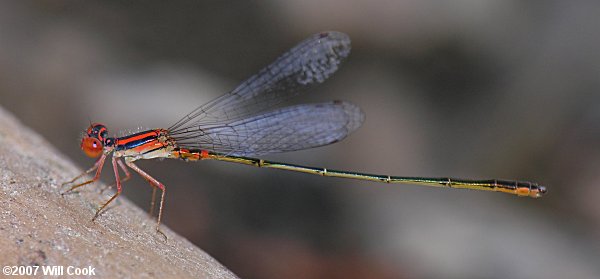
pixel 92 142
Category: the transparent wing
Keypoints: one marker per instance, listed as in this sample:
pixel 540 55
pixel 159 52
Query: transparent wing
pixel 310 62
pixel 287 129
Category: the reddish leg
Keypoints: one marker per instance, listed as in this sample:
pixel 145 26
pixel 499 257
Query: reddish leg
pixel 155 184
pixel 119 189
pixel 125 170
pixel 98 165
pixel 153 201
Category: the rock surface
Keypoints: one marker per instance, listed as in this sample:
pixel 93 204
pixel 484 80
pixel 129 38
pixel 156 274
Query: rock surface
pixel 40 227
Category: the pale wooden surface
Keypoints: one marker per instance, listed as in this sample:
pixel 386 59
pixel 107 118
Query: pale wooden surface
pixel 38 226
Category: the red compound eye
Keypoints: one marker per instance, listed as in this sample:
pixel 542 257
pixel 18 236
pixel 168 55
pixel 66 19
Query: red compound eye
pixel 92 147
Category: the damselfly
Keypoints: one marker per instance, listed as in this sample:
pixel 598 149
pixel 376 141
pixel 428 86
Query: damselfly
pixel 244 122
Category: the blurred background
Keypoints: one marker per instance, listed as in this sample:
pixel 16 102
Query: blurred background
pixel 469 88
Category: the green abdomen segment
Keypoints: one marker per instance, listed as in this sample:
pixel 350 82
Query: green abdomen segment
pixel 519 188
